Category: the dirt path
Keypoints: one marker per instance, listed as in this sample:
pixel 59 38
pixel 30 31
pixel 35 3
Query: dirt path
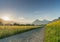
pixel 36 35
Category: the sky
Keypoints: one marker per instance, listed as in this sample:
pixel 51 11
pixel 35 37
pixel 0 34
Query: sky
pixel 26 11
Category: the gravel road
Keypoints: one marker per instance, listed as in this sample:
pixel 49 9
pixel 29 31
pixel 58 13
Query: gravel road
pixel 36 35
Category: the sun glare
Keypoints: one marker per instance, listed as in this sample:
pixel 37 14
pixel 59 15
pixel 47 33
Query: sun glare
pixel 6 18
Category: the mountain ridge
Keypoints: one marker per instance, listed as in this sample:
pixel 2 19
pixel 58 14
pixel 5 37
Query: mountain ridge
pixel 39 22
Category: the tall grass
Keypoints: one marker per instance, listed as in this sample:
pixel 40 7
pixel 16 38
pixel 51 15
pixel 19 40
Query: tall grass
pixel 11 30
pixel 52 32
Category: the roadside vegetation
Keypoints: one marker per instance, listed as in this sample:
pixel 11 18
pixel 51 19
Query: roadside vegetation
pixel 52 32
pixel 6 31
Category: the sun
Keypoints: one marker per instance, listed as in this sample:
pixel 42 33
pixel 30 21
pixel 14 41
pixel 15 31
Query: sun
pixel 6 18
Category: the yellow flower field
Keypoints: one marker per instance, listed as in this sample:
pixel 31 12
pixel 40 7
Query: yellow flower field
pixel 52 32
pixel 11 30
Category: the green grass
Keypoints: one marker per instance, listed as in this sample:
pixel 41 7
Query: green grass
pixel 6 31
pixel 52 32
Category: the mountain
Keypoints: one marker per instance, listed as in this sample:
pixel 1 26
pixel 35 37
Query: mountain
pixel 5 22
pixel 38 22
pixel 56 19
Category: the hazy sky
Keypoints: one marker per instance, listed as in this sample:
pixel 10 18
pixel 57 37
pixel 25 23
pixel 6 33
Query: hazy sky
pixel 28 10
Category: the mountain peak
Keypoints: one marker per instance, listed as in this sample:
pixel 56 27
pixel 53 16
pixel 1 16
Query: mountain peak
pixel 38 22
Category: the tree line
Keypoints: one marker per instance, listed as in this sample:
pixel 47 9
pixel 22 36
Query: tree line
pixel 15 24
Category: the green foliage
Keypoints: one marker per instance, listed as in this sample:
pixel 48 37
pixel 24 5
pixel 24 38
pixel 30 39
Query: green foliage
pixel 52 32
pixel 12 30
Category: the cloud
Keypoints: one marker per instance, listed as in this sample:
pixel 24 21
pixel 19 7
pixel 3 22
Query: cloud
pixel 23 20
pixel 47 18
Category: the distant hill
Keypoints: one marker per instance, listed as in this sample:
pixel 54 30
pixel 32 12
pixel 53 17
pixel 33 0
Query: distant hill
pixel 38 22
pixel 55 19
pixel 5 22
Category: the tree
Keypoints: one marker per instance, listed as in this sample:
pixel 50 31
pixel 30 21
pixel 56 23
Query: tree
pixel 1 22
pixel 59 18
pixel 16 24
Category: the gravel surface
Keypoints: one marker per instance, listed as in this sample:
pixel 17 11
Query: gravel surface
pixel 36 35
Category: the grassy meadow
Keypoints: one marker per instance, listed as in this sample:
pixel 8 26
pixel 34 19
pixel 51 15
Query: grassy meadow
pixel 12 30
pixel 52 32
